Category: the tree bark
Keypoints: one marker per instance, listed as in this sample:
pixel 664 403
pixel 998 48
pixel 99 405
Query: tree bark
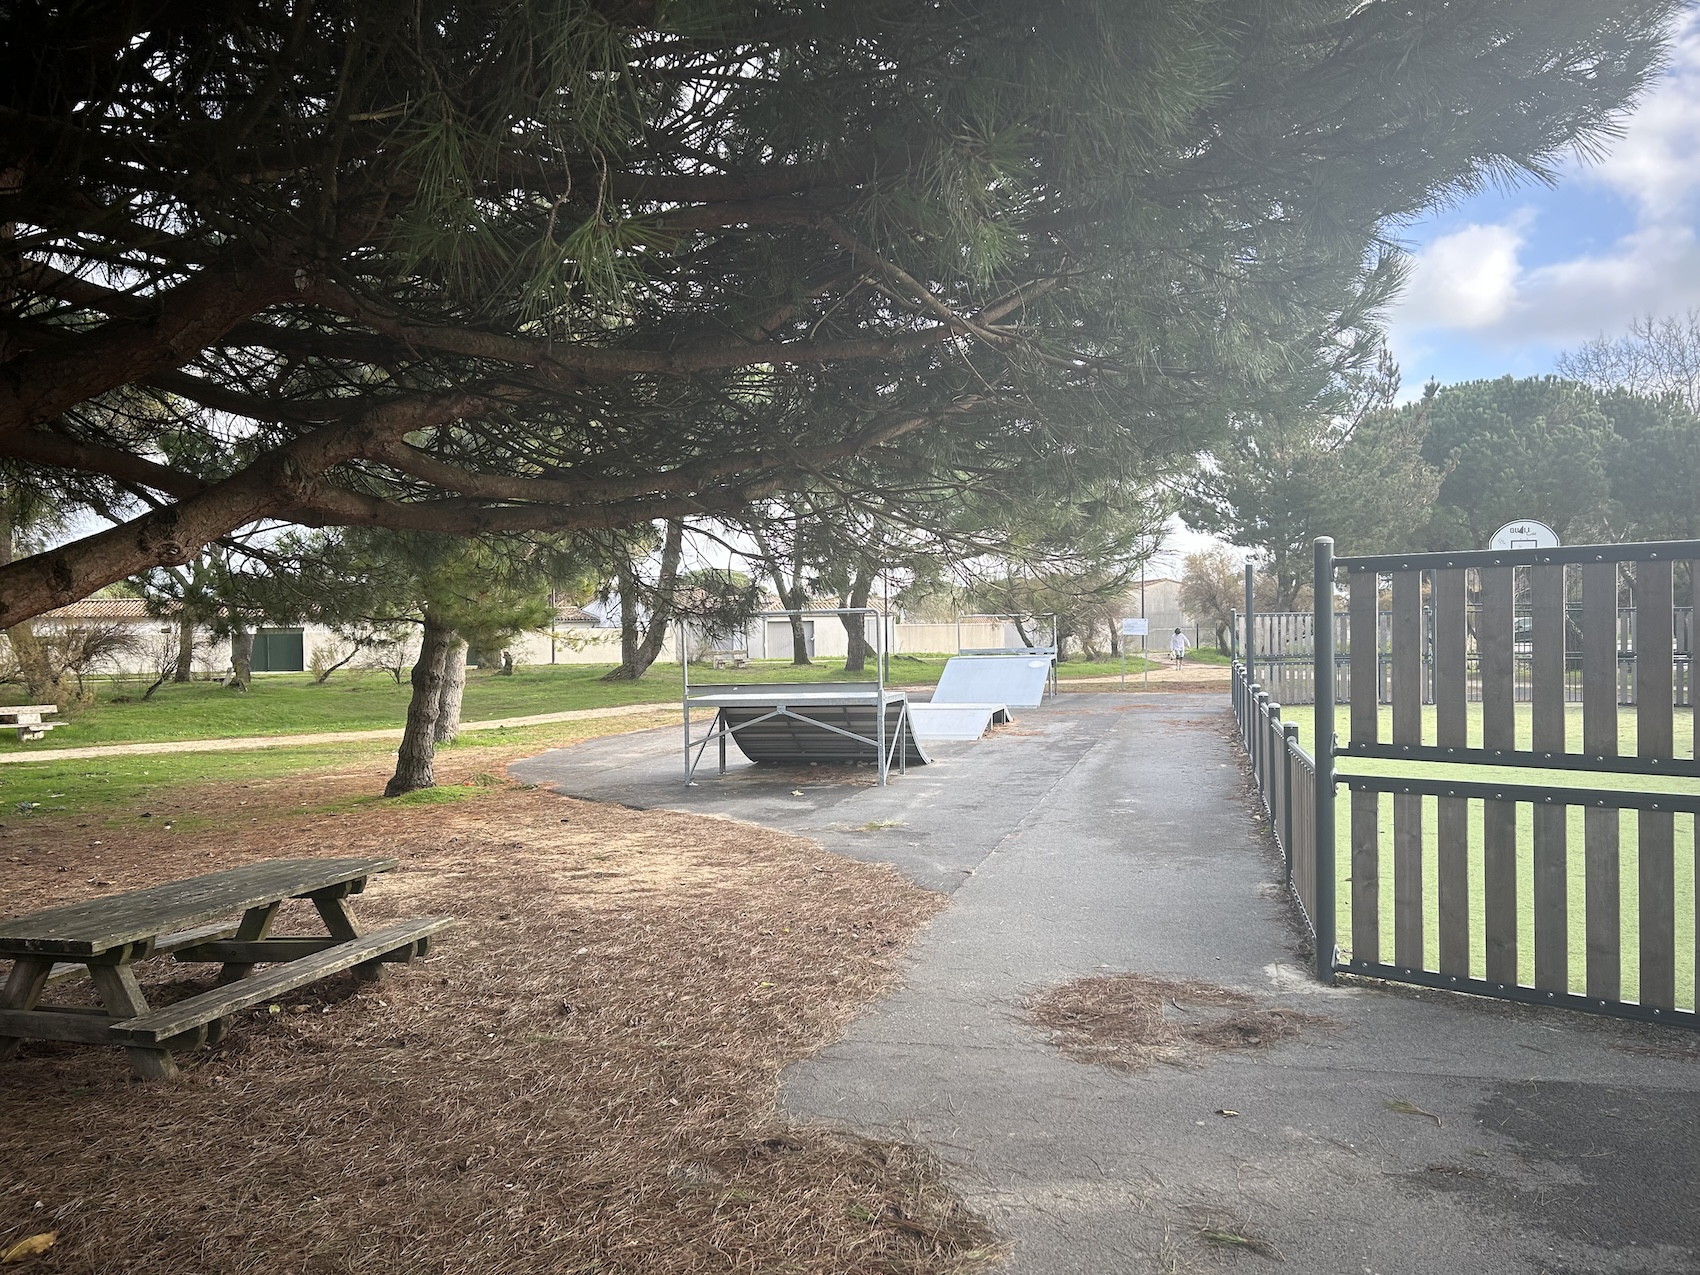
pixel 416 758
pixel 792 596
pixel 640 647
pixel 45 683
pixel 241 658
pixel 453 690
pixel 856 626
pixel 185 648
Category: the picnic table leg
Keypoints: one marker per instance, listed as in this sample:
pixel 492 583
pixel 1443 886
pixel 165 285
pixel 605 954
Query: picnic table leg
pixel 122 997
pixel 255 924
pixel 340 920
pixel 22 991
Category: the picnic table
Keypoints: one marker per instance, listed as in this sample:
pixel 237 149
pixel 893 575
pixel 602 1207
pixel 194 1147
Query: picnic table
pixel 222 918
pixel 26 719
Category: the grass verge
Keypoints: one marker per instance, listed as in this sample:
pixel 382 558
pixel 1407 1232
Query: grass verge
pixel 292 704
pixel 582 1077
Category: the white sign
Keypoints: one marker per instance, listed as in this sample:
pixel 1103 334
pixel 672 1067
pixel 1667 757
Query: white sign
pixel 1135 628
pixel 1526 534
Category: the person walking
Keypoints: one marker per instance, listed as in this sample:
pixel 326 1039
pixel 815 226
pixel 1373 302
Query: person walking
pixel 1177 647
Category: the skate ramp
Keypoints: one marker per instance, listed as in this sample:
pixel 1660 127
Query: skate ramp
pixel 941 722
pixel 1015 680
pixel 820 722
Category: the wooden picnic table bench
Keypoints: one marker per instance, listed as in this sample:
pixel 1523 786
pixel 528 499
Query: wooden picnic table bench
pixel 222 918
pixel 26 719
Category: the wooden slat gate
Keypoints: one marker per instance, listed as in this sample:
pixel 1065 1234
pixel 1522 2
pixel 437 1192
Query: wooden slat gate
pixel 1497 839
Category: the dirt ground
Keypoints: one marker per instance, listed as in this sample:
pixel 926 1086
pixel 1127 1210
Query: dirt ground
pixel 581 1077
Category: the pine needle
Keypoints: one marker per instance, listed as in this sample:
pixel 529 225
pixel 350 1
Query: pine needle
pixel 1405 1108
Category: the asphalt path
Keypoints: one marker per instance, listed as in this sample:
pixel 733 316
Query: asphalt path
pixel 1417 1132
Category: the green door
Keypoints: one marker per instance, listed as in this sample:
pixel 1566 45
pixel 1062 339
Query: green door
pixel 280 651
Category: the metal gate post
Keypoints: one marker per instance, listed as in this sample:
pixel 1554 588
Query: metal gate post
pixel 1323 739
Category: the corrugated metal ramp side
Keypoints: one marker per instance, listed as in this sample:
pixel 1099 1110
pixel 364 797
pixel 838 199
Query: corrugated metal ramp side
pixel 793 735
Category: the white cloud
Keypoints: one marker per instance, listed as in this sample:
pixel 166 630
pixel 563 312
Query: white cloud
pixel 1472 283
pixel 1654 269
pixel 1467 279
pixel 1657 161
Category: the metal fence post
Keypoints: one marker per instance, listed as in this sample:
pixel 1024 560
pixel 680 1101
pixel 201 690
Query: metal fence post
pixel 1257 702
pixel 1289 737
pixel 1324 918
pixel 1250 618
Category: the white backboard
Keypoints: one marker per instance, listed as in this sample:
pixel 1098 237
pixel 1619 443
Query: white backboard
pixel 1526 533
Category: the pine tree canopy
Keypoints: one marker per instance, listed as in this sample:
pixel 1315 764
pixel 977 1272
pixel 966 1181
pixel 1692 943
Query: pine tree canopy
pixel 552 265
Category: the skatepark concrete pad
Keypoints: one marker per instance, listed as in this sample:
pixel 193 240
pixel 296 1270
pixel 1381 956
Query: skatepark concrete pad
pixel 955 721
pixel 1016 680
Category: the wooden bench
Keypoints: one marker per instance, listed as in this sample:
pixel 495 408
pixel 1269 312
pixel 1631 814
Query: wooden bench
pixel 400 942
pixel 26 719
pixel 190 921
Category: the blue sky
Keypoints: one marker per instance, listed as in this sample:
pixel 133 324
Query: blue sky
pixel 1505 281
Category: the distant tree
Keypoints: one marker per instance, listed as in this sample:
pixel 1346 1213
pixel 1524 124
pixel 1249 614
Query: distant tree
pixel 458 593
pixel 1350 465
pixel 1656 357
pixel 782 550
pixel 1540 447
pixel 1212 590
pixel 1654 470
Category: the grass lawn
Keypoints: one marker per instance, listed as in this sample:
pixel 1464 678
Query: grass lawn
pixel 1685 859
pixel 187 792
pixel 290 703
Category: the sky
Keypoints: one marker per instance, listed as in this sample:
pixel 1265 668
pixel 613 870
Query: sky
pixel 1506 280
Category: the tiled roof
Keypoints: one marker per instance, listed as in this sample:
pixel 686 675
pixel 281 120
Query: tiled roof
pixel 100 609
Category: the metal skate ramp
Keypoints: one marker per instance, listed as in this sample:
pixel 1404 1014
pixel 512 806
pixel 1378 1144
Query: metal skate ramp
pixel 807 722
pixel 943 722
pixel 1016 679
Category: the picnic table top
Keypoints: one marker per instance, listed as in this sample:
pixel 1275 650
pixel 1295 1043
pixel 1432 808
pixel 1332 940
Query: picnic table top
pixel 97 925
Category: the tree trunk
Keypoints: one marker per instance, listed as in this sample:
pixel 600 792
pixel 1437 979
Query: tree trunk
pixel 792 597
pixel 418 752
pixel 45 684
pixel 639 647
pixel 241 659
pixel 856 626
pixel 453 690
pixel 185 648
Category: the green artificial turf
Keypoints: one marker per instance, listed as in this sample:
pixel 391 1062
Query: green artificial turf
pixel 1629 858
